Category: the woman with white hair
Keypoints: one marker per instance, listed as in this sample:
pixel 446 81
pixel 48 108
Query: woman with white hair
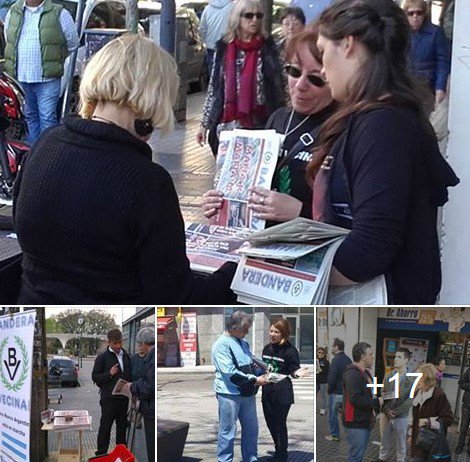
pixel 245 87
pixel 97 220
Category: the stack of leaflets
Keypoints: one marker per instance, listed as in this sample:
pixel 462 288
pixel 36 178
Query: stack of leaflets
pixel 245 158
pixel 72 420
pixel 208 247
pixel 291 263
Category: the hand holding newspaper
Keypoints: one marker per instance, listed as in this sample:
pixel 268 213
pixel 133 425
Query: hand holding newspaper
pixel 273 377
pixel 122 389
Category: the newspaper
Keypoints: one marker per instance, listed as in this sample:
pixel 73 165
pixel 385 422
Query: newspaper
pixel 246 158
pixel 120 390
pixel 208 247
pixel 273 377
pixel 298 272
pixel 72 420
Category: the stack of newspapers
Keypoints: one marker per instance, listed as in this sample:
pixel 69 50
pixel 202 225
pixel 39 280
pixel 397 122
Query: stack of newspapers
pixel 285 264
pixel 291 263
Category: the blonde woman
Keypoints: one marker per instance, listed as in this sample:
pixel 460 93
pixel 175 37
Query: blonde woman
pixel 430 408
pixel 245 86
pixel 98 222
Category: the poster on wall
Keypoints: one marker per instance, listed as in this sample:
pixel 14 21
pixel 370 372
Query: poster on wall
pixel 16 359
pixel 188 339
pixel 419 351
pixel 322 326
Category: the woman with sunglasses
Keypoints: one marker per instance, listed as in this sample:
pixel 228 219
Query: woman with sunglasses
pixel 377 169
pixel 245 87
pixel 323 366
pixel 430 51
pixel 311 104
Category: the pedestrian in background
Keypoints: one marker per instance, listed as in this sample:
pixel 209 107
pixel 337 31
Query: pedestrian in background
pixel 145 341
pixel 431 409
pixel 144 389
pixel 360 407
pixel 440 364
pixel 292 20
pixel 335 387
pixel 245 87
pixel 323 367
pixel 395 411
pixel 213 26
pixel 464 384
pixel 429 51
pixel 385 189
pixel 110 366
pixel 235 385
pixel 282 358
pixel 39 36
pixel 125 241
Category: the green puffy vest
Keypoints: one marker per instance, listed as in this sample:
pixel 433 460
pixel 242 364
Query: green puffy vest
pixel 54 49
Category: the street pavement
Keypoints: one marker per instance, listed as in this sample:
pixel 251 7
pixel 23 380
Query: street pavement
pixel 189 397
pixel 338 451
pixel 86 397
pixel 190 165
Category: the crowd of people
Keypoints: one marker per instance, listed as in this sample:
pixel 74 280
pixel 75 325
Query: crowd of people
pixel 99 223
pixel 413 421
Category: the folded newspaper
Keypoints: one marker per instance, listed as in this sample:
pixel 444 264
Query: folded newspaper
pixel 119 389
pixel 72 420
pixel 291 263
pixel 245 158
pixel 274 377
pixel 208 247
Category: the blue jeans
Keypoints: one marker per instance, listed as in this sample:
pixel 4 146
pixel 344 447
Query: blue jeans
pixel 232 408
pixel 322 387
pixel 334 404
pixel 358 438
pixel 41 106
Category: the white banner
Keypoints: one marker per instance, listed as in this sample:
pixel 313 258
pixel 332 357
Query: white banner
pixel 16 366
pixel 188 339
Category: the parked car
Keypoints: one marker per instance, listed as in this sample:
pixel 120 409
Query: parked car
pixel 111 14
pixel 66 367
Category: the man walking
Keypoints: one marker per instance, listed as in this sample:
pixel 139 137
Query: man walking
pixel 335 386
pixel 394 417
pixel 110 366
pixel 360 407
pixel 39 36
pixel 464 384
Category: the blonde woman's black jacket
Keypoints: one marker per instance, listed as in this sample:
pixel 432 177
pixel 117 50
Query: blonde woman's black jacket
pixel 103 379
pixel 272 80
pixel 284 359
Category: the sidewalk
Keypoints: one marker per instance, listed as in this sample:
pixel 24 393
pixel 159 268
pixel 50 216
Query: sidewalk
pixel 190 398
pixel 190 165
pixel 327 451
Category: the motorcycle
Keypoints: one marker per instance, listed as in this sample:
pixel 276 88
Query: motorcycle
pixel 12 150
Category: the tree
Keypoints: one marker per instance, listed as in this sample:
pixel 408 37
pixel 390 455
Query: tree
pixel 95 321
pixel 52 326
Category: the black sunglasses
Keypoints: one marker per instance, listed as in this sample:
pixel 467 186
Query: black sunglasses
pixel 296 73
pixel 252 15
pixel 415 13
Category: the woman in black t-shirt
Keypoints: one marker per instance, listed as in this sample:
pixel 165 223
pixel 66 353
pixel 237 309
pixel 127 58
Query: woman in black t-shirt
pixel 282 358
pixel 311 104
pixel 323 366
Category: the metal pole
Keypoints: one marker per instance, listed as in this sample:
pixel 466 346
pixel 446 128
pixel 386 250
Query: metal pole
pixel 168 26
pixel 462 370
pixel 132 16
pixel 72 61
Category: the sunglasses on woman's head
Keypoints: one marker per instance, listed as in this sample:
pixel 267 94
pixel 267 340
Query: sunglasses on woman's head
pixel 296 73
pixel 252 15
pixel 415 13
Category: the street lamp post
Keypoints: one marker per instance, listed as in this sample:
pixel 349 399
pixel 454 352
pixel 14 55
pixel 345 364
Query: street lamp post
pixel 80 358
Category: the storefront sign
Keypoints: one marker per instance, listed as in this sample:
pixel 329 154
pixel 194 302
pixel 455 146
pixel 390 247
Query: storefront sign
pixel 188 339
pixel 160 312
pixel 16 358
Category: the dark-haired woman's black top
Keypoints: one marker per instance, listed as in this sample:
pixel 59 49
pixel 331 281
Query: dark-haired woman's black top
pixel 284 359
pixel 384 179
pixel 100 223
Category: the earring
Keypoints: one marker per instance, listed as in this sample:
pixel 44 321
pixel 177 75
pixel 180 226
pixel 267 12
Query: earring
pixel 143 127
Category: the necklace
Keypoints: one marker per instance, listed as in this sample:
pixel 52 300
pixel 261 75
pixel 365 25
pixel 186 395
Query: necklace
pixel 287 131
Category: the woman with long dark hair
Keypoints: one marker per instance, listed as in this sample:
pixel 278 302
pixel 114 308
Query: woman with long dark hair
pixel 282 358
pixel 377 169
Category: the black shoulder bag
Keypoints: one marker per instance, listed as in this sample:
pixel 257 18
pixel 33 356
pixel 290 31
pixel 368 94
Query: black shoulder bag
pixel 246 386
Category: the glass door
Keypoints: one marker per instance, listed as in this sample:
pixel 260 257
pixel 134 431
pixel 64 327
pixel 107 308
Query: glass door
pixel 306 343
pixel 294 325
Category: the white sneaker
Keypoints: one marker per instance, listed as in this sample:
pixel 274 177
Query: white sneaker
pixel 322 412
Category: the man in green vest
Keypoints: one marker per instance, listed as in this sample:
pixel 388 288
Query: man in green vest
pixel 39 37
